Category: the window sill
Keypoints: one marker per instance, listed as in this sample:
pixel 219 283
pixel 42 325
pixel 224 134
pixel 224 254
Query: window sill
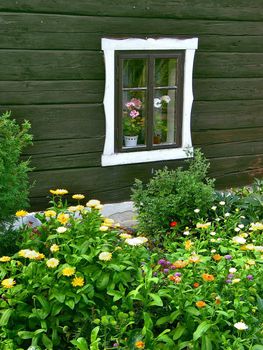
pixel 146 156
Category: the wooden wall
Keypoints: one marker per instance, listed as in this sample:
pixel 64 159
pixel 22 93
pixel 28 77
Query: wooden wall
pixel 52 73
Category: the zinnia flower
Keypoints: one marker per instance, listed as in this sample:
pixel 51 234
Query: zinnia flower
pixel 104 228
pixel 222 203
pixel 68 271
pixel 58 192
pixel 136 241
pixel 200 304
pixel 179 264
pixel 196 285
pixel 125 235
pixel 108 222
pixel 5 258
pixel 241 326
pixel 21 213
pixel 50 213
pixel 105 256
pixel 61 229
pixel 78 196
pixel 188 244
pixel 194 259
pixel 239 240
pixel 8 283
pixel 92 203
pixel 173 224
pixel 197 211
pixel 256 226
pixel 78 282
pixel 30 254
pixel 139 344
pixel 207 277
pixel 52 263
pixel 232 270
pixel 54 248
pixel 63 218
pixel 217 257
pixel 205 225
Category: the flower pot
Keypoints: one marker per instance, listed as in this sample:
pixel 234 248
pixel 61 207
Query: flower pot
pixel 130 141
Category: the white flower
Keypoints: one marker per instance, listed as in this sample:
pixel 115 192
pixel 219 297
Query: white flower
pixel 222 203
pixel 157 102
pixel 217 219
pixel 61 229
pixel 213 251
pixel 241 326
pixel 136 240
pixel 241 226
pixel 237 229
pixel 236 280
pixel 197 211
pixel 186 233
pixel 239 240
pixel 212 233
pixel 213 207
pixel 232 270
pixel 104 228
pixel 105 256
pixel 166 98
pixel 227 214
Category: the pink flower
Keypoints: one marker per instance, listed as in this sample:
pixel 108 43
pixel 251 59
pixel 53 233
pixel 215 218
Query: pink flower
pixel 134 113
pixel 129 105
pixel 136 103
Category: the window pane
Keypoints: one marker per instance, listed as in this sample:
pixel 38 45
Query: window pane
pixel 134 73
pixel 164 117
pixel 133 118
pixel 165 72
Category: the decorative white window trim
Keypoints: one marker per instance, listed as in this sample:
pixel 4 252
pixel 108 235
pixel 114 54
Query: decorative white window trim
pixel 109 46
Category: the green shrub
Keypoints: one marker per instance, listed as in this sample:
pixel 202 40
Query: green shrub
pixel 14 184
pixel 172 196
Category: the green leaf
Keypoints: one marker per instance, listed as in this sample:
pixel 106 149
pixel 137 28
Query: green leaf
pixel 179 331
pixel 103 281
pixel 80 343
pixel 193 311
pixel 157 301
pixel 70 303
pixel 116 294
pixel 25 335
pixel 257 347
pixel 201 329
pixel 166 339
pixel 162 320
pixel 174 315
pixel 5 317
pixel 43 301
pixel 47 342
pixel 94 334
pixel 206 343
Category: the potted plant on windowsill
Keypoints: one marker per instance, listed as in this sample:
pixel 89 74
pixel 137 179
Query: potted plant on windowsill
pixel 132 122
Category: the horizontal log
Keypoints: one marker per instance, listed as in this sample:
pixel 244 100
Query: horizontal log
pixel 106 25
pixel 222 115
pixel 238 179
pixel 54 91
pixel 238 10
pixel 210 137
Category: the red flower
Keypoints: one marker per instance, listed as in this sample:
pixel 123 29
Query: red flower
pixel 173 224
pixel 196 285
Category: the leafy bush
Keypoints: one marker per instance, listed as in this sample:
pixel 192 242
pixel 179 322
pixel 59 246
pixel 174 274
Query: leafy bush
pixel 79 281
pixel 14 184
pixel 171 196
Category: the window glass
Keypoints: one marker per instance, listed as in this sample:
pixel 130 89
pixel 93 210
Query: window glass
pixel 134 73
pixel 165 72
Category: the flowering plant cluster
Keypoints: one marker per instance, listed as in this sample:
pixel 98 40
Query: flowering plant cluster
pixel 161 102
pixel 133 120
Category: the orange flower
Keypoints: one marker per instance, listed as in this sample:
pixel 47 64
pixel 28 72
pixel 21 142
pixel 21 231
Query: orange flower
pixel 196 285
pixel 200 304
pixel 139 344
pixel 218 301
pixel 217 257
pixel 188 244
pixel 208 277
pixel 179 264
pixel 175 279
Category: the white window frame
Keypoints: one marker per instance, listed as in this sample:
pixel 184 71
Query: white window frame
pixel 109 46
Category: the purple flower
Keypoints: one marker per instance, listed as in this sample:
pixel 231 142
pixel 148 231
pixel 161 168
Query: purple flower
pixel 155 274
pixel 168 263
pixel 162 262
pixel 177 274
pixel 228 257
pixel 231 275
pixel 115 345
pixel 166 270
pixel 173 267
pixel 250 277
pixel 228 281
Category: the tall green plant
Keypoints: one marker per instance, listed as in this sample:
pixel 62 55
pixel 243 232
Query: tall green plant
pixel 14 183
pixel 172 196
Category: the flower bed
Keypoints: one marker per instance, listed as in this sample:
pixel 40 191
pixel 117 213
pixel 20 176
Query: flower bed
pixel 79 281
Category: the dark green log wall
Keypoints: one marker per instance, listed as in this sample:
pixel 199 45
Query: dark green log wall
pixel 52 73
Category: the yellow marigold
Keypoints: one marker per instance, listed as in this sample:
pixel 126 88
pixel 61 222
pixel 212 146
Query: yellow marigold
pixel 194 259
pixel 5 258
pixel 52 263
pixel 104 228
pixel 21 213
pixel 188 244
pixel 68 271
pixel 8 283
pixel 206 225
pixel 207 277
pixel 50 213
pixel 179 264
pixel 105 256
pixel 125 235
pixel 63 218
pixel 54 248
pixel 200 304
pixel 78 282
pixel 92 203
pixel 78 196
pixel 217 257
pixel 59 192
pixel 139 344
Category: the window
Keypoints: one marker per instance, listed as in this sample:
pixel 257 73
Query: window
pixel 148 98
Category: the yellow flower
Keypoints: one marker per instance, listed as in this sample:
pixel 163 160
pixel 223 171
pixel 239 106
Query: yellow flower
pixel 58 192
pixel 77 282
pixel 8 283
pixel 104 228
pixel 188 244
pixel 125 235
pixel 108 222
pixel 54 248
pixel 68 271
pixel 251 262
pixel 63 218
pixel 194 259
pixel 236 280
pixel 139 344
pixel 206 225
pixel 21 213
pixel 256 226
pixel 61 229
pixel 72 208
pixel 30 254
pixel 105 256
pixel 5 259
pixel 179 264
pixel 217 257
pixel 98 207
pixel 80 207
pixel 40 256
pixel 92 203
pixel 52 263
pixel 50 213
pixel 78 196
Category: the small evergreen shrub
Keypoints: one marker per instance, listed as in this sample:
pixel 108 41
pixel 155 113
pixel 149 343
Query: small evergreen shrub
pixel 14 184
pixel 171 196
